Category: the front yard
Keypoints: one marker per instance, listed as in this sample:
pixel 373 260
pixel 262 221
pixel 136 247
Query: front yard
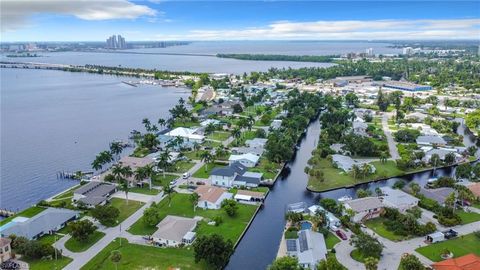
pixel 60 263
pixel 460 246
pixel 205 170
pixel 126 210
pixel 76 246
pixel 468 217
pixel 379 228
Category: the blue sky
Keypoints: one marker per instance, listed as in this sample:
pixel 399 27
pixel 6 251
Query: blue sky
pixel 85 20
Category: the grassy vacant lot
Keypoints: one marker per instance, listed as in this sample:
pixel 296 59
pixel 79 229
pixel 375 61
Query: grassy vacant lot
pixel 468 217
pixel 205 170
pixel 29 212
pixel 460 246
pixel 194 155
pixel 76 246
pixel 145 190
pixel 219 136
pixel 181 166
pixel 159 180
pixel 126 210
pixel 334 178
pixel 48 264
pixel 377 226
pixel 143 257
pixel 231 228
pixel 331 240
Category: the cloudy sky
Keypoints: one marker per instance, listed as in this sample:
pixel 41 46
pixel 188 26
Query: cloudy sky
pixel 90 20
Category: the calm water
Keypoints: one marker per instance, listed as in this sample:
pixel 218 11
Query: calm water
pixel 53 120
pixel 259 246
pixel 208 63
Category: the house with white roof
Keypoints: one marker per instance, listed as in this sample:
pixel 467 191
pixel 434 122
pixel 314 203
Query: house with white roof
pixel 359 128
pixel 211 197
pixel 398 199
pixel 309 248
pixel 333 221
pixel 365 208
pixel 441 152
pixel 188 134
pixel 248 160
pixel 346 163
pixel 174 230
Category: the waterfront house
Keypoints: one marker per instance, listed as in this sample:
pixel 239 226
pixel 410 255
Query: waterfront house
pixel 94 193
pixel 309 248
pixel 346 163
pixel 466 262
pixel 441 152
pixel 332 221
pixel 256 143
pixel 437 194
pixel 211 197
pixel 135 162
pixel 248 160
pixel 365 208
pixel 188 134
pixel 173 231
pixel 46 222
pixel 431 140
pixel 398 199
pixel 234 174
pixel 5 249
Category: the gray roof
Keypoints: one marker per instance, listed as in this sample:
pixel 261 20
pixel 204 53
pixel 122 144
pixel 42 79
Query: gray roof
pixel 43 222
pixel 95 192
pixel 174 228
pixel 248 179
pixel 230 170
pixel 312 247
pixel 397 197
pixel 437 194
pixel 363 204
pixel 430 139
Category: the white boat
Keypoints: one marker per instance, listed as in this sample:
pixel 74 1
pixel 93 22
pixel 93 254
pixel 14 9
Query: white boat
pixel 432 180
pixel 344 198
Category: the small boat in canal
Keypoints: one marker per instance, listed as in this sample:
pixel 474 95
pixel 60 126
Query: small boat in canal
pixel 345 198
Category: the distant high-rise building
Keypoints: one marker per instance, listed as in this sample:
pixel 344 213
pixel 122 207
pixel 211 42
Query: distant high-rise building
pixel 408 50
pixel 369 52
pixel 116 42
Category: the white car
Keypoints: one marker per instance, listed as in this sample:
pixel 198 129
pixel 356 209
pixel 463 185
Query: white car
pixel 186 175
pixel 172 183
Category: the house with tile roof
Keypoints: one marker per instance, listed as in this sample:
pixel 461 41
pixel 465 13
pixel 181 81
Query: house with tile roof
pixel 467 262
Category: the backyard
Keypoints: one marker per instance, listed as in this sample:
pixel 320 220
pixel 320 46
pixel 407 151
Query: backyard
pixel 29 212
pixel 460 246
pixel 205 170
pixel 218 136
pixel 159 180
pixel 143 257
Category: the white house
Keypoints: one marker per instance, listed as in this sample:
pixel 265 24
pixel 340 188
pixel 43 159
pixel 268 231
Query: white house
pixel 248 160
pixel 309 248
pixel 398 199
pixel 333 221
pixel 173 231
pixel 211 197
pixel 365 208
pixel 234 175
pixel 188 134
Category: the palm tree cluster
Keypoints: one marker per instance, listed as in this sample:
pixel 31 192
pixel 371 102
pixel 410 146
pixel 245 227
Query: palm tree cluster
pixel 121 173
pixel 106 157
pixel 360 172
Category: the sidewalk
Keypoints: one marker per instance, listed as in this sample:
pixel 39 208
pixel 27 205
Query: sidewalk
pixel 392 147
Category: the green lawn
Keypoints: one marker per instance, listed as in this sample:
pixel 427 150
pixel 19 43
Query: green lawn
pixel 331 240
pixel 460 246
pixel 143 257
pixel 357 256
pixel 29 212
pixel 468 217
pixel 49 238
pixel 126 210
pixel 246 135
pixel 205 170
pixel 269 169
pixel 181 166
pixel 76 246
pixel 219 136
pixel 334 178
pixel 145 190
pixel 48 264
pixel 476 205
pixel 66 194
pixel 140 152
pixel 194 155
pixel 231 228
pixel 159 180
pixel 377 226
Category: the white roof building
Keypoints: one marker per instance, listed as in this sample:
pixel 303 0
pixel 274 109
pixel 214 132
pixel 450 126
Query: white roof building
pixel 398 199
pixel 248 159
pixel 187 133
pixel 173 231
pixel 309 248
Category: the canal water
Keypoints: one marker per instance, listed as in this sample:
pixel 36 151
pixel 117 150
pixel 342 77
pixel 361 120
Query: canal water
pixel 259 246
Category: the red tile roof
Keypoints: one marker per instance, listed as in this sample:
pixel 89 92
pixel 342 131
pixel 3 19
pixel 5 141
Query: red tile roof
pixel 467 262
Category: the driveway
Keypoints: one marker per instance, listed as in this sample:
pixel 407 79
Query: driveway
pixel 343 250
pixel 392 147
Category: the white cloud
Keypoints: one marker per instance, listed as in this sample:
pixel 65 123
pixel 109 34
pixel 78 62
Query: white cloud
pixel 15 14
pixel 351 29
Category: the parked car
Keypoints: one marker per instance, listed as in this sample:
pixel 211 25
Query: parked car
pixel 450 234
pixel 341 234
pixel 199 183
pixel 186 175
pixel 172 183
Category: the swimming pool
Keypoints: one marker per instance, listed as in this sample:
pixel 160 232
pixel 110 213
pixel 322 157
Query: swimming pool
pixel 305 225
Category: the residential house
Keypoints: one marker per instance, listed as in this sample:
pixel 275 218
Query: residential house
pixel 46 222
pixel 437 194
pixel 333 221
pixel 248 160
pixel 466 262
pixel 211 197
pixel 431 140
pixel 360 128
pixel 441 152
pixel 309 248
pixel 276 124
pixel 398 199
pixel 255 146
pixel 475 189
pixel 209 121
pixel 346 163
pixel 94 193
pixel 188 134
pixel 134 163
pixel 365 208
pixel 256 143
pixel 418 116
pixel 5 249
pixel 234 174
pixel 174 230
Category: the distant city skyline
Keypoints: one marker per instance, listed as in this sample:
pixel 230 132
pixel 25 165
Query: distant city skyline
pixel 152 20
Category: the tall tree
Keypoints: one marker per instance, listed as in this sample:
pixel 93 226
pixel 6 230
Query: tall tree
pixel 213 249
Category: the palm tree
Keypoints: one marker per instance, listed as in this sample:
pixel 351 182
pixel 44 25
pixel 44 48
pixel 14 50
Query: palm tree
pixel 125 187
pixel 355 171
pixel 164 161
pixel 149 172
pixel 168 190
pixel 194 199
pixel 366 169
pixel 196 147
pixel 127 172
pixel 117 171
pixel 415 188
pixel 116 257
pixel 179 141
pixel 383 157
pixel 207 158
pixel 139 174
pixel 162 122
pixel 96 164
pixel 219 152
pixel 236 133
pixel 116 148
pixel 146 123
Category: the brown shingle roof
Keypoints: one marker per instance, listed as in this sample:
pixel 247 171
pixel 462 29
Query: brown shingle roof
pixel 475 188
pixel 209 193
pixel 5 241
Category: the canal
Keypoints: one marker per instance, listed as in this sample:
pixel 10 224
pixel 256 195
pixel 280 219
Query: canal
pixel 259 246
